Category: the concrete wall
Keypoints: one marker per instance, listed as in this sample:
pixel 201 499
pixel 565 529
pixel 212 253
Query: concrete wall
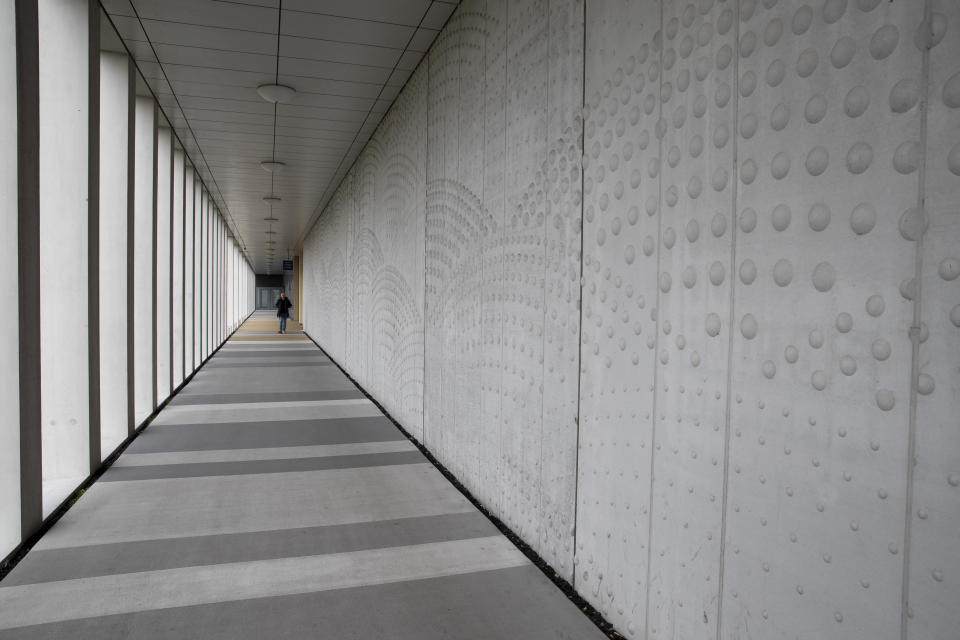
pixel 770 233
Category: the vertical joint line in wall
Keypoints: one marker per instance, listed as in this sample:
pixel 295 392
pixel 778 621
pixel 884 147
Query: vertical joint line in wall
pixel 583 128
pixel 731 317
pixel 656 342
pixel 546 270
pixel 426 234
pixel 926 26
pixel 503 220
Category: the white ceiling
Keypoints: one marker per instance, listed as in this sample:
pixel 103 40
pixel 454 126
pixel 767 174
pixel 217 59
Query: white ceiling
pixel 203 60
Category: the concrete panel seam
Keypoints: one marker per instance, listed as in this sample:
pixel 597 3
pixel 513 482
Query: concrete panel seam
pixel 734 194
pixel 656 343
pixel 915 328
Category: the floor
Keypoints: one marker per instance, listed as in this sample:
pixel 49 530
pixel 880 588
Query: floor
pixel 271 499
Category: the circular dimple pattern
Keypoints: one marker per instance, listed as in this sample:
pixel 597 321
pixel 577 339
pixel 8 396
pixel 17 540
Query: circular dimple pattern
pixel 859 158
pixel 748 272
pixel 816 338
pixel 712 325
pixel 717 273
pixel 818 380
pixel 843 51
pixel 924 38
pixel 949 268
pixel 906 158
pixel 885 399
pixel 884 41
pixel 913 224
pixel 780 117
pixel 848 365
pixel 718 225
pixel 904 95
pixel 780 166
pixel 824 275
pixel 875 306
pixel 856 102
pixel 780 218
pixel 863 219
pixel 769 369
pixel 955 316
pixel 880 349
pixel 925 384
pixel 783 272
pixel 833 10
pixel 844 322
pixel 807 62
pixel 748 326
pixel 815 109
pixel 953 160
pixel 802 19
pixel 951 91
pixel 817 161
pixel 771 35
pixel 819 217
pixel 908 288
pixel 776 72
pixel 791 354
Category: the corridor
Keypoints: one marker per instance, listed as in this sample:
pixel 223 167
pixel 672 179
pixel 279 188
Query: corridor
pixel 271 499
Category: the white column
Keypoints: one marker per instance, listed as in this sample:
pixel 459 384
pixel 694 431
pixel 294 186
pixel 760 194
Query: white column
pixel 9 321
pixel 114 103
pixel 188 227
pixel 143 259
pixel 164 151
pixel 177 270
pixel 197 268
pixel 64 386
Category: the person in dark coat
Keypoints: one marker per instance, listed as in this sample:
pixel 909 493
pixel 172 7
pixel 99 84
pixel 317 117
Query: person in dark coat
pixel 283 311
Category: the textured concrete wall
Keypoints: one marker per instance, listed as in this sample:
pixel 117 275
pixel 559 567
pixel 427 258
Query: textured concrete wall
pixel 770 301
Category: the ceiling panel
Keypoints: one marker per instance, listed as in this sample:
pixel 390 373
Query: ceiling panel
pixel 347 60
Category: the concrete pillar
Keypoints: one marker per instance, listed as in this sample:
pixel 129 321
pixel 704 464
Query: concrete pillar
pixel 144 133
pixel 162 287
pixel 197 268
pixel 114 104
pixel 64 189
pixel 189 200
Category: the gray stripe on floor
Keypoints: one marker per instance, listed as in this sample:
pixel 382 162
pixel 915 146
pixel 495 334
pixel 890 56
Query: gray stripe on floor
pixel 251 467
pixel 180 507
pixel 257 435
pixel 275 396
pixel 133 592
pixel 264 353
pixel 213 364
pixel 130 557
pixel 265 453
pixel 488 605
pixel 269 412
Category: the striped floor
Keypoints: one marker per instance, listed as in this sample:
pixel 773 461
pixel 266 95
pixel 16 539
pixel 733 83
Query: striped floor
pixel 271 499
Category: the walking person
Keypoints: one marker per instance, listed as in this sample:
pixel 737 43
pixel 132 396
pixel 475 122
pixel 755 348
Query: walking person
pixel 283 311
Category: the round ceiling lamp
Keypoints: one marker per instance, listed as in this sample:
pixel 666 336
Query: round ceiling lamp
pixel 272 166
pixel 272 219
pixel 272 199
pixel 276 93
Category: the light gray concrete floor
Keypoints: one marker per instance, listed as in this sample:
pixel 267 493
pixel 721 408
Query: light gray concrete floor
pixel 270 499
